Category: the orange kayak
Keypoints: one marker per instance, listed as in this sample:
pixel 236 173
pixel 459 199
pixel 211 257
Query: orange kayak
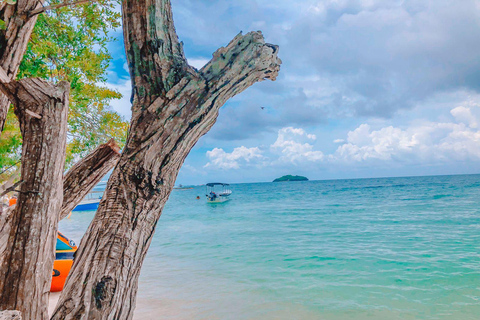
pixel 64 255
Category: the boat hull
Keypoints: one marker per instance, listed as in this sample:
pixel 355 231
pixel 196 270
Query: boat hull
pixel 64 254
pixel 218 200
pixel 87 206
pixel 61 268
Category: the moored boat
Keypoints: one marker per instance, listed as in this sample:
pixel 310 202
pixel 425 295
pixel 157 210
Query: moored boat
pixel 214 196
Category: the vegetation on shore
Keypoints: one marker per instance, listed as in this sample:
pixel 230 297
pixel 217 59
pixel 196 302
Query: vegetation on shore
pixel 70 44
pixel 291 178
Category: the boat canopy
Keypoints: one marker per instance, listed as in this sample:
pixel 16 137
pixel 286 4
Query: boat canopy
pixel 212 184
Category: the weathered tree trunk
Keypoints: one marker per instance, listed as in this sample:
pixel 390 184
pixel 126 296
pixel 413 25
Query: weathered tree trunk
pixel 77 183
pixel 86 173
pixel 25 273
pixel 13 41
pixel 173 106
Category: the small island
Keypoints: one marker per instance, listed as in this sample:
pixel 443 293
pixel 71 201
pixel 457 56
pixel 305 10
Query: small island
pixel 291 178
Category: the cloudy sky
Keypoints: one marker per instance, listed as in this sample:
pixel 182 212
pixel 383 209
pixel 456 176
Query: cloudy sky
pixel 368 88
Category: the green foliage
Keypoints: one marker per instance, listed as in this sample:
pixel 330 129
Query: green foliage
pixel 10 146
pixel 291 178
pixel 91 122
pixel 70 43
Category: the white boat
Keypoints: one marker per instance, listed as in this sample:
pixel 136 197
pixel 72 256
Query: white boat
pixel 214 196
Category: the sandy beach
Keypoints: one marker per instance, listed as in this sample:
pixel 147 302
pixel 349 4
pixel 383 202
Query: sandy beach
pixel 52 301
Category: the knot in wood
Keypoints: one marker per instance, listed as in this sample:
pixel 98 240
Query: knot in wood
pixel 104 291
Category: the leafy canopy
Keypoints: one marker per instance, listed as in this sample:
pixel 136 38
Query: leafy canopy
pixel 70 43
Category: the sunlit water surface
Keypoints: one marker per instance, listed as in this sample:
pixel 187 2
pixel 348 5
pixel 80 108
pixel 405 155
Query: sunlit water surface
pixel 393 248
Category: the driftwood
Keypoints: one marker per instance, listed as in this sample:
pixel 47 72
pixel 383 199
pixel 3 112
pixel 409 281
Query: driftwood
pixel 25 272
pixel 13 42
pixel 86 173
pixel 173 106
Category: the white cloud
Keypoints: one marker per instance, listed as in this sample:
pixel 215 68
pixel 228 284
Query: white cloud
pixel 464 115
pixel 420 143
pixel 239 156
pixel 425 143
pixel 122 106
pixel 363 144
pixel 293 143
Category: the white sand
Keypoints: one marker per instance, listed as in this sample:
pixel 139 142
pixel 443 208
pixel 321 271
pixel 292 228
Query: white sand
pixel 52 301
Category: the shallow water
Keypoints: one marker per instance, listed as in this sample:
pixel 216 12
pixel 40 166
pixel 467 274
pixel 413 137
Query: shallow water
pixel 392 248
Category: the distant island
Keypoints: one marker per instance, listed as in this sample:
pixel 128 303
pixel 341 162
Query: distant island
pixel 291 178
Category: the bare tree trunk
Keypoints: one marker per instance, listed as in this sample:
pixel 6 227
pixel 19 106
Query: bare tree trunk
pixel 25 273
pixel 77 183
pixel 173 106
pixel 13 42
pixel 86 173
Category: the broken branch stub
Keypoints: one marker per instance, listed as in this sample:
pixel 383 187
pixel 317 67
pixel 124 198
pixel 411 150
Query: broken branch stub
pixel 27 262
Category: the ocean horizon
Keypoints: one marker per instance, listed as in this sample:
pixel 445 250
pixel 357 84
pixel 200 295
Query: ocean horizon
pixel 368 248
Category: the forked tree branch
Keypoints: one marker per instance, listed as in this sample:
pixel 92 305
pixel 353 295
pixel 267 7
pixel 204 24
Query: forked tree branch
pixel 173 105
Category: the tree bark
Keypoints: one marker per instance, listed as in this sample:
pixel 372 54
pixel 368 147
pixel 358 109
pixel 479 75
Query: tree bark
pixel 173 106
pixel 13 41
pixel 25 273
pixel 77 183
pixel 86 173
pixel 10 315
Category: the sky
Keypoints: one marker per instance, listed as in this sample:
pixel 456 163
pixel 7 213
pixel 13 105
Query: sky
pixel 367 88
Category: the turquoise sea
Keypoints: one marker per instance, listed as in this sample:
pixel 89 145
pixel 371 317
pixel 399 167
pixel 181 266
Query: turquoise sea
pixel 390 248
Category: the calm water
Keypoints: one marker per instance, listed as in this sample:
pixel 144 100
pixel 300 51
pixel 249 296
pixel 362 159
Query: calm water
pixel 394 248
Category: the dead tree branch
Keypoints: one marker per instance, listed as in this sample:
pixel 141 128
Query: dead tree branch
pixel 173 106
pixel 86 173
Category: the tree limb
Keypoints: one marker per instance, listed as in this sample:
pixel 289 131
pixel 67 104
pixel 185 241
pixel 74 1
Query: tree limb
pixel 156 58
pixel 58 6
pixel 173 106
pixel 8 189
pixel 86 173
pixel 10 181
